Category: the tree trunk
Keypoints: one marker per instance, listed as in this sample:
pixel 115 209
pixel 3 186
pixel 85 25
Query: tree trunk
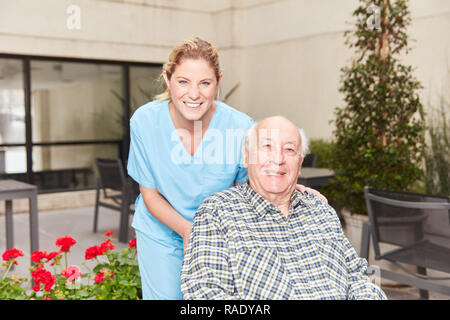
pixel 383 56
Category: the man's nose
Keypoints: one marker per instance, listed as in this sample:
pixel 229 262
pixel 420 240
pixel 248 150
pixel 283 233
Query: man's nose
pixel 277 156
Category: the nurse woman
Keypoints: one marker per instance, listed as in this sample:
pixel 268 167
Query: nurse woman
pixel 184 146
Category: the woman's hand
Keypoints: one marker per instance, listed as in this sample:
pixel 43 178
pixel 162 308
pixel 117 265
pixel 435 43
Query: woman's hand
pixel 304 189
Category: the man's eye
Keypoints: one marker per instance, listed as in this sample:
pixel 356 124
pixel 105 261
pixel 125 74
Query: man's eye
pixel 290 151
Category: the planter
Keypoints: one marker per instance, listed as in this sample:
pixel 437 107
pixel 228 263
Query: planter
pixel 353 228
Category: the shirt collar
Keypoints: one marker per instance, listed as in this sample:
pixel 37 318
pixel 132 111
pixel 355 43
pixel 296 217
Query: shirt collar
pixel 263 206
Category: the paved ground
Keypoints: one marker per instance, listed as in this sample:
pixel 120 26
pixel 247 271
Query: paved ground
pixel 78 224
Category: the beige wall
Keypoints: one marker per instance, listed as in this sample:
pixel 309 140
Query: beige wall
pixel 293 51
pixel 286 54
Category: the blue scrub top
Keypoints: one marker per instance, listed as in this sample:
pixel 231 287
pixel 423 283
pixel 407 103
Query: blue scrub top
pixel 158 159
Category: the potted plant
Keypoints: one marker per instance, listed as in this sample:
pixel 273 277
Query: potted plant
pixel 378 135
pixel 115 275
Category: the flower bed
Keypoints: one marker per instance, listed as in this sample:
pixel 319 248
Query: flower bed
pixel 114 277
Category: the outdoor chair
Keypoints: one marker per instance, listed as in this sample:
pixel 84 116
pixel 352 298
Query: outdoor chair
pixel 310 160
pixel 119 189
pixel 418 227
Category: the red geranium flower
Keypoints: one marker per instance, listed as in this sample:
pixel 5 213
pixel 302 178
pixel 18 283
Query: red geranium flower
pixel 65 243
pixel 12 253
pixel 42 276
pixel 95 251
pixel 132 243
pixel 37 256
pixel 107 245
pixel 105 274
pixel 99 277
pixel 92 252
pixel 55 256
pixel 109 233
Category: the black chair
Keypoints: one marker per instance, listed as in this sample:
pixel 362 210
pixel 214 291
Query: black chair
pixel 119 188
pixel 419 227
pixel 310 160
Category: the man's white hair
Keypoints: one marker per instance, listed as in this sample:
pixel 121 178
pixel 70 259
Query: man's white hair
pixel 249 134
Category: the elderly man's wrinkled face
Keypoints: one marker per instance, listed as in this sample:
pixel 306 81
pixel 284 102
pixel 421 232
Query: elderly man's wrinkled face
pixel 274 157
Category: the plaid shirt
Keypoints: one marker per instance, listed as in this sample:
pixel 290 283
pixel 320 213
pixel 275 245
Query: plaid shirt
pixel 242 247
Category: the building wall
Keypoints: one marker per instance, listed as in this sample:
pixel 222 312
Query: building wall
pixel 119 30
pixel 293 51
pixel 285 55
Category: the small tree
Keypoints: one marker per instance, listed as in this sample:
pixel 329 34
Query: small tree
pixel 379 131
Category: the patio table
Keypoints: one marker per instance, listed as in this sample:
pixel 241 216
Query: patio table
pixel 315 177
pixel 12 189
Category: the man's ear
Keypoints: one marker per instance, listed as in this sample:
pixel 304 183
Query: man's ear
pixel 300 167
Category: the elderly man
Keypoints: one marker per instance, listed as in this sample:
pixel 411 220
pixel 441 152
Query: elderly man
pixel 265 240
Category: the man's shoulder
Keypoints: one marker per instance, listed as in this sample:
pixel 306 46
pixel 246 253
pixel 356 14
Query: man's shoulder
pixel 322 214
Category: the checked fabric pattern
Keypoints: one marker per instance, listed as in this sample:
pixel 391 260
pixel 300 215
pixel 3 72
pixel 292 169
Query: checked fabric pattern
pixel 242 247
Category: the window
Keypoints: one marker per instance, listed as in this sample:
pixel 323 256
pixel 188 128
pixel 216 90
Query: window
pixel 12 117
pixel 77 110
pixel 144 85
pixel 76 101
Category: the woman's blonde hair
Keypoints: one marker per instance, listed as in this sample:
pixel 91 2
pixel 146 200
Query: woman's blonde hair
pixel 195 48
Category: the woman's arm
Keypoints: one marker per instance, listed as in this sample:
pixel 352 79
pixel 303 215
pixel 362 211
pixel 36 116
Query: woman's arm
pixel 162 210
